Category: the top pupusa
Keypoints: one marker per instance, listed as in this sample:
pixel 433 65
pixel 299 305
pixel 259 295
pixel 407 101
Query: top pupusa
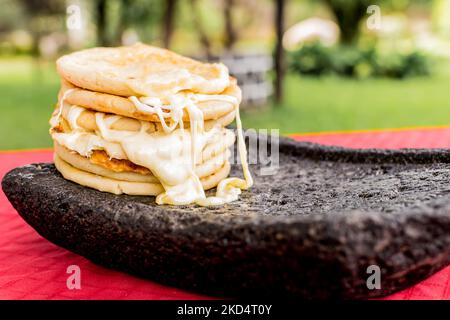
pixel 141 70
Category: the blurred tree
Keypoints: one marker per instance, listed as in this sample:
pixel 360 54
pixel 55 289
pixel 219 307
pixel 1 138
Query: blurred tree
pixel 348 14
pixel 114 17
pixel 124 20
pixel 279 52
pixel 11 16
pixel 230 33
pixel 101 22
pixel 144 16
pixel 198 25
pixel 43 16
pixel 169 13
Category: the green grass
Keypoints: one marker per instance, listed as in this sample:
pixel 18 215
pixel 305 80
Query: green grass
pixel 329 104
pixel 27 98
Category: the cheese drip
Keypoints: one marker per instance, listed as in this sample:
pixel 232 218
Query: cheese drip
pixel 228 189
pixel 84 143
pixel 54 120
pixel 170 155
pixel 166 155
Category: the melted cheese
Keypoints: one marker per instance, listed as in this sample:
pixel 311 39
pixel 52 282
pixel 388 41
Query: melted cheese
pixel 85 142
pixel 165 82
pixel 167 155
pixel 54 120
pixel 228 189
pixel 170 155
pixel 72 117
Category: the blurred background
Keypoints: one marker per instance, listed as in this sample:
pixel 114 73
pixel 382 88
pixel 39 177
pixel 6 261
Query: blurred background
pixel 303 65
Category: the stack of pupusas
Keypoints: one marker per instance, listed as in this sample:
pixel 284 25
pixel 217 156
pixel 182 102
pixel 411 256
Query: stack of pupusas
pixel 141 120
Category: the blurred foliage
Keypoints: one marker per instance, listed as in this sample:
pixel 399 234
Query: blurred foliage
pixel 117 16
pixel 197 28
pixel 141 14
pixel 402 5
pixel 348 15
pixel 350 61
pixel 42 17
pixel 11 15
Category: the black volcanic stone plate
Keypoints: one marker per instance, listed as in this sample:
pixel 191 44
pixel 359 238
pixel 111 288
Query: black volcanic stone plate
pixel 310 231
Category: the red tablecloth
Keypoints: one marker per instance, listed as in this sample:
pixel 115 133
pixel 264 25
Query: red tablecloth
pixel 33 268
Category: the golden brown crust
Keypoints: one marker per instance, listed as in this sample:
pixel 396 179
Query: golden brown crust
pixel 99 157
pixel 108 103
pixel 103 183
pixel 82 163
pixel 115 186
pixel 125 71
pixel 87 121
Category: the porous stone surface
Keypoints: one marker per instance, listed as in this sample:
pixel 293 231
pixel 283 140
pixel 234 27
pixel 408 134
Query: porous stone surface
pixel 309 231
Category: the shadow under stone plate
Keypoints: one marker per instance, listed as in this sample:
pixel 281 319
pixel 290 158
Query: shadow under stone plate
pixel 310 231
